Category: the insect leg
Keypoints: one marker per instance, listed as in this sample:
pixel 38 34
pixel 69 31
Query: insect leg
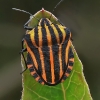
pixel 23 49
pixel 22 53
pixel 25 63
pixel 26 25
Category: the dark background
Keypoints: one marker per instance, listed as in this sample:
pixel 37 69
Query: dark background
pixel 81 16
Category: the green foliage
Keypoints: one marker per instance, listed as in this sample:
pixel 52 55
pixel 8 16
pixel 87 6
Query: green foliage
pixel 73 88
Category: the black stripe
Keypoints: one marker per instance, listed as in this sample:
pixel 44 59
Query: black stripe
pixel 42 22
pixel 53 37
pixel 59 32
pixel 47 22
pixel 63 59
pixel 64 46
pixel 36 36
pixel 69 70
pixel 29 60
pixel 35 75
pixel 71 55
pixel 67 33
pixel 28 40
pixel 55 50
pixel 70 63
pixel 46 55
pixel 64 66
pixel 35 51
pixel 40 80
pixel 31 69
pixel 44 37
pixel 64 77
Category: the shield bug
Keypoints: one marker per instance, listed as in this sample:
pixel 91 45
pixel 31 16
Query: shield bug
pixel 47 42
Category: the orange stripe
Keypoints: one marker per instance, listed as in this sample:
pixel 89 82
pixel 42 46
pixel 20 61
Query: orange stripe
pixel 71 59
pixel 51 54
pixel 67 74
pixel 32 55
pixel 41 53
pixel 60 60
pixel 42 83
pixel 70 67
pixel 37 78
pixel 48 36
pixel 32 37
pixel 63 32
pixel 67 51
pixel 42 64
pixel 32 73
pixel 56 33
pixel 29 66
pixel 62 80
pixel 52 65
pixel 40 36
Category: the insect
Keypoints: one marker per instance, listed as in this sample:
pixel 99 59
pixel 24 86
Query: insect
pixel 50 57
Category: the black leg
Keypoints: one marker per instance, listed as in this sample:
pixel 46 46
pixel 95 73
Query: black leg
pixel 25 63
pixel 22 53
pixel 26 25
pixel 23 50
pixel 22 43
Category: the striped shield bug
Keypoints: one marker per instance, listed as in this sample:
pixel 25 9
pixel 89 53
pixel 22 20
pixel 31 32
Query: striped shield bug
pixel 47 42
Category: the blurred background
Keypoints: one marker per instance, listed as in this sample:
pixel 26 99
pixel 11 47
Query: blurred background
pixel 81 16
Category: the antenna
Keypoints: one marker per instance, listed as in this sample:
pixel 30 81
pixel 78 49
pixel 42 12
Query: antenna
pixel 55 7
pixel 31 16
pixel 22 11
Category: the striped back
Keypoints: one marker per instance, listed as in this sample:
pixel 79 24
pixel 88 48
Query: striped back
pixel 48 44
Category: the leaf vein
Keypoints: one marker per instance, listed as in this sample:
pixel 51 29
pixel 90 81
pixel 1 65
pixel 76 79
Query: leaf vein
pixel 63 91
pixel 36 93
pixel 69 80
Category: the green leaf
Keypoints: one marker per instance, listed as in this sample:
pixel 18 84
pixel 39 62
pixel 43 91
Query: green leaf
pixel 73 88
